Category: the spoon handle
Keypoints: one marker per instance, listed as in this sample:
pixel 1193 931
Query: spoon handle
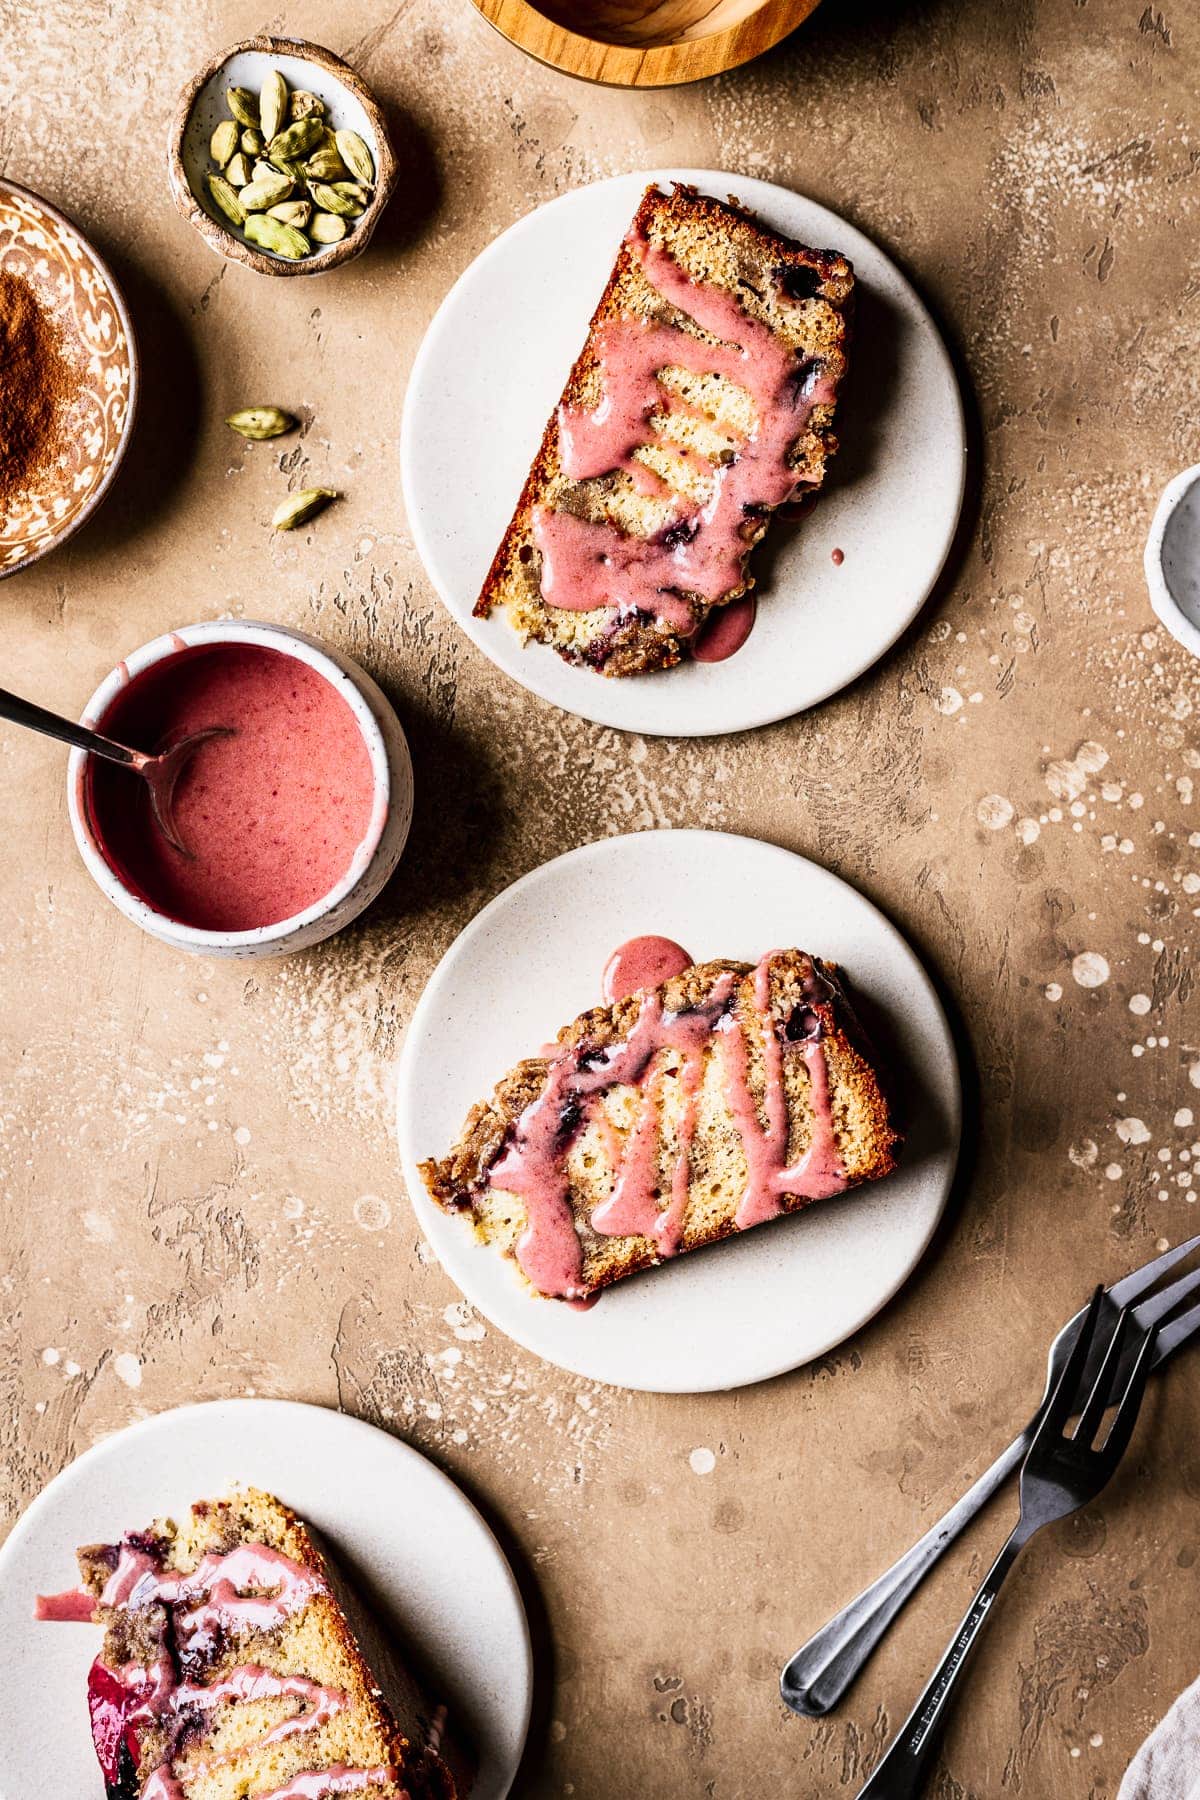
pixel 24 712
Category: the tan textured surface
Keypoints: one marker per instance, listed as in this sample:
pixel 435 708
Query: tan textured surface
pixel 201 1196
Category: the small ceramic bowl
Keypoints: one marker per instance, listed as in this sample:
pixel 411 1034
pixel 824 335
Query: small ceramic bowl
pixel 78 289
pixel 1173 559
pixel 642 43
pixel 377 854
pixel 202 106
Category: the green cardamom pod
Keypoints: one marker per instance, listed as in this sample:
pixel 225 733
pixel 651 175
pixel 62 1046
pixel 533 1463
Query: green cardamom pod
pixel 261 422
pixel 296 140
pixel 292 212
pixel 327 228
pixel 299 508
pixel 331 199
pixel 357 158
pixel 272 104
pixel 243 106
pixel 223 143
pixel 325 165
pixel 251 142
pixel 263 192
pixel 238 171
pixel 268 171
pixel 272 234
pixel 226 199
pixel 303 105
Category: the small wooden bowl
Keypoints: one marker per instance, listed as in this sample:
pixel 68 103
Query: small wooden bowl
pixel 77 289
pixel 644 43
pixel 202 106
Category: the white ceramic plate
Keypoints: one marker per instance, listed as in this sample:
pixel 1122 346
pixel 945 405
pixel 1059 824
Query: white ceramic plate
pixel 490 371
pixel 419 1548
pixel 757 1304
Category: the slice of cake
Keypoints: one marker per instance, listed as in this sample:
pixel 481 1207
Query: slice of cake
pixel 702 401
pixel 238 1665
pixel 725 1097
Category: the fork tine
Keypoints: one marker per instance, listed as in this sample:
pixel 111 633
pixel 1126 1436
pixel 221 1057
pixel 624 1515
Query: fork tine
pixel 1098 1400
pixel 1117 1441
pixel 1062 1400
pixel 1140 1281
pixel 1172 1337
pixel 1156 1308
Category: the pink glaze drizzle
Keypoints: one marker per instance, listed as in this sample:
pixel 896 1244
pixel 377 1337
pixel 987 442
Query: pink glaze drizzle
pixel 250 1588
pixel 703 549
pixel 316 1784
pixel 642 963
pixel 534 1164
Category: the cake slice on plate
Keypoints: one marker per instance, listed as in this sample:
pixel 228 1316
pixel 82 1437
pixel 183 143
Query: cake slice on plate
pixel 723 1098
pixel 238 1665
pixel 702 401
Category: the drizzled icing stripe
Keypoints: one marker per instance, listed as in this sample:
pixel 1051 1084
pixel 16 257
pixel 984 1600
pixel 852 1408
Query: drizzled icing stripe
pixel 250 1588
pixel 701 549
pixel 316 1784
pixel 533 1166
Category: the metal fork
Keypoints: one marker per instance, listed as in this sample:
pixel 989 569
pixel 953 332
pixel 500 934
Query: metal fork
pixel 1060 1474
pixel 821 1671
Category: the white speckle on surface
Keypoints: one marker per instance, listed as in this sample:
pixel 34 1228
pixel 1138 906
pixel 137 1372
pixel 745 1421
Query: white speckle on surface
pixel 98 1227
pixel 242 1135
pixel 1084 1155
pixel 995 811
pixel 1139 1004
pixel 702 1461
pixel 51 1356
pixel 1184 1117
pixel 1113 1172
pixel 128 1369
pixel 948 702
pixel 1194 1074
pixel 1053 990
pixel 372 1213
pixel 1090 969
pixel 1028 830
pixel 460 1316
pixel 1132 1131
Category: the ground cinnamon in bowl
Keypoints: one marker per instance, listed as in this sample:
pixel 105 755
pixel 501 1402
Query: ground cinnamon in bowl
pixel 37 383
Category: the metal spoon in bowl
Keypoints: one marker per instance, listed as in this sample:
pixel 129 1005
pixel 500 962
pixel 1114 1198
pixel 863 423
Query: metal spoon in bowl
pixel 160 772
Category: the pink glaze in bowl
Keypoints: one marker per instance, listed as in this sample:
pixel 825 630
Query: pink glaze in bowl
pixel 377 852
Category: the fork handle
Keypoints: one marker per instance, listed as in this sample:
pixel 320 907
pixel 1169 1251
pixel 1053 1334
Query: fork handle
pixel 24 712
pixel 908 1764
pixel 822 1669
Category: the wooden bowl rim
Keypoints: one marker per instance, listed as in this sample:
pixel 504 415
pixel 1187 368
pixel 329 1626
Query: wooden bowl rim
pixel 224 242
pixel 133 356
pixel 659 65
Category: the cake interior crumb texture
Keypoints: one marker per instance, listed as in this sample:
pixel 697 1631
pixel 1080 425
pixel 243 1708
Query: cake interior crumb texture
pixel 699 425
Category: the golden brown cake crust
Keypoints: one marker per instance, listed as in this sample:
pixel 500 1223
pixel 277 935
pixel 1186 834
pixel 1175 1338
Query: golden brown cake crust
pixel 868 1136
pixel 637 644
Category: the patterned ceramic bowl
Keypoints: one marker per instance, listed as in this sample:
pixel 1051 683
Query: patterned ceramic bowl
pixel 72 282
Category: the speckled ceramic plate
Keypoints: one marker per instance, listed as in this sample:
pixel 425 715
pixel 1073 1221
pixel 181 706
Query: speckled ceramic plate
pixel 72 281
pixel 769 1299
pixel 490 371
pixel 418 1548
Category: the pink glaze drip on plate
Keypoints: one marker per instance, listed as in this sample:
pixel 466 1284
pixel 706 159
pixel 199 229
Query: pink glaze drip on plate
pixel 725 631
pixel 642 963
pixel 534 1164
pixel 703 548
pixel 75 1607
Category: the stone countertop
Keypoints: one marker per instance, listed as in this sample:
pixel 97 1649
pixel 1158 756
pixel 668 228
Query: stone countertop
pixel 201 1192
